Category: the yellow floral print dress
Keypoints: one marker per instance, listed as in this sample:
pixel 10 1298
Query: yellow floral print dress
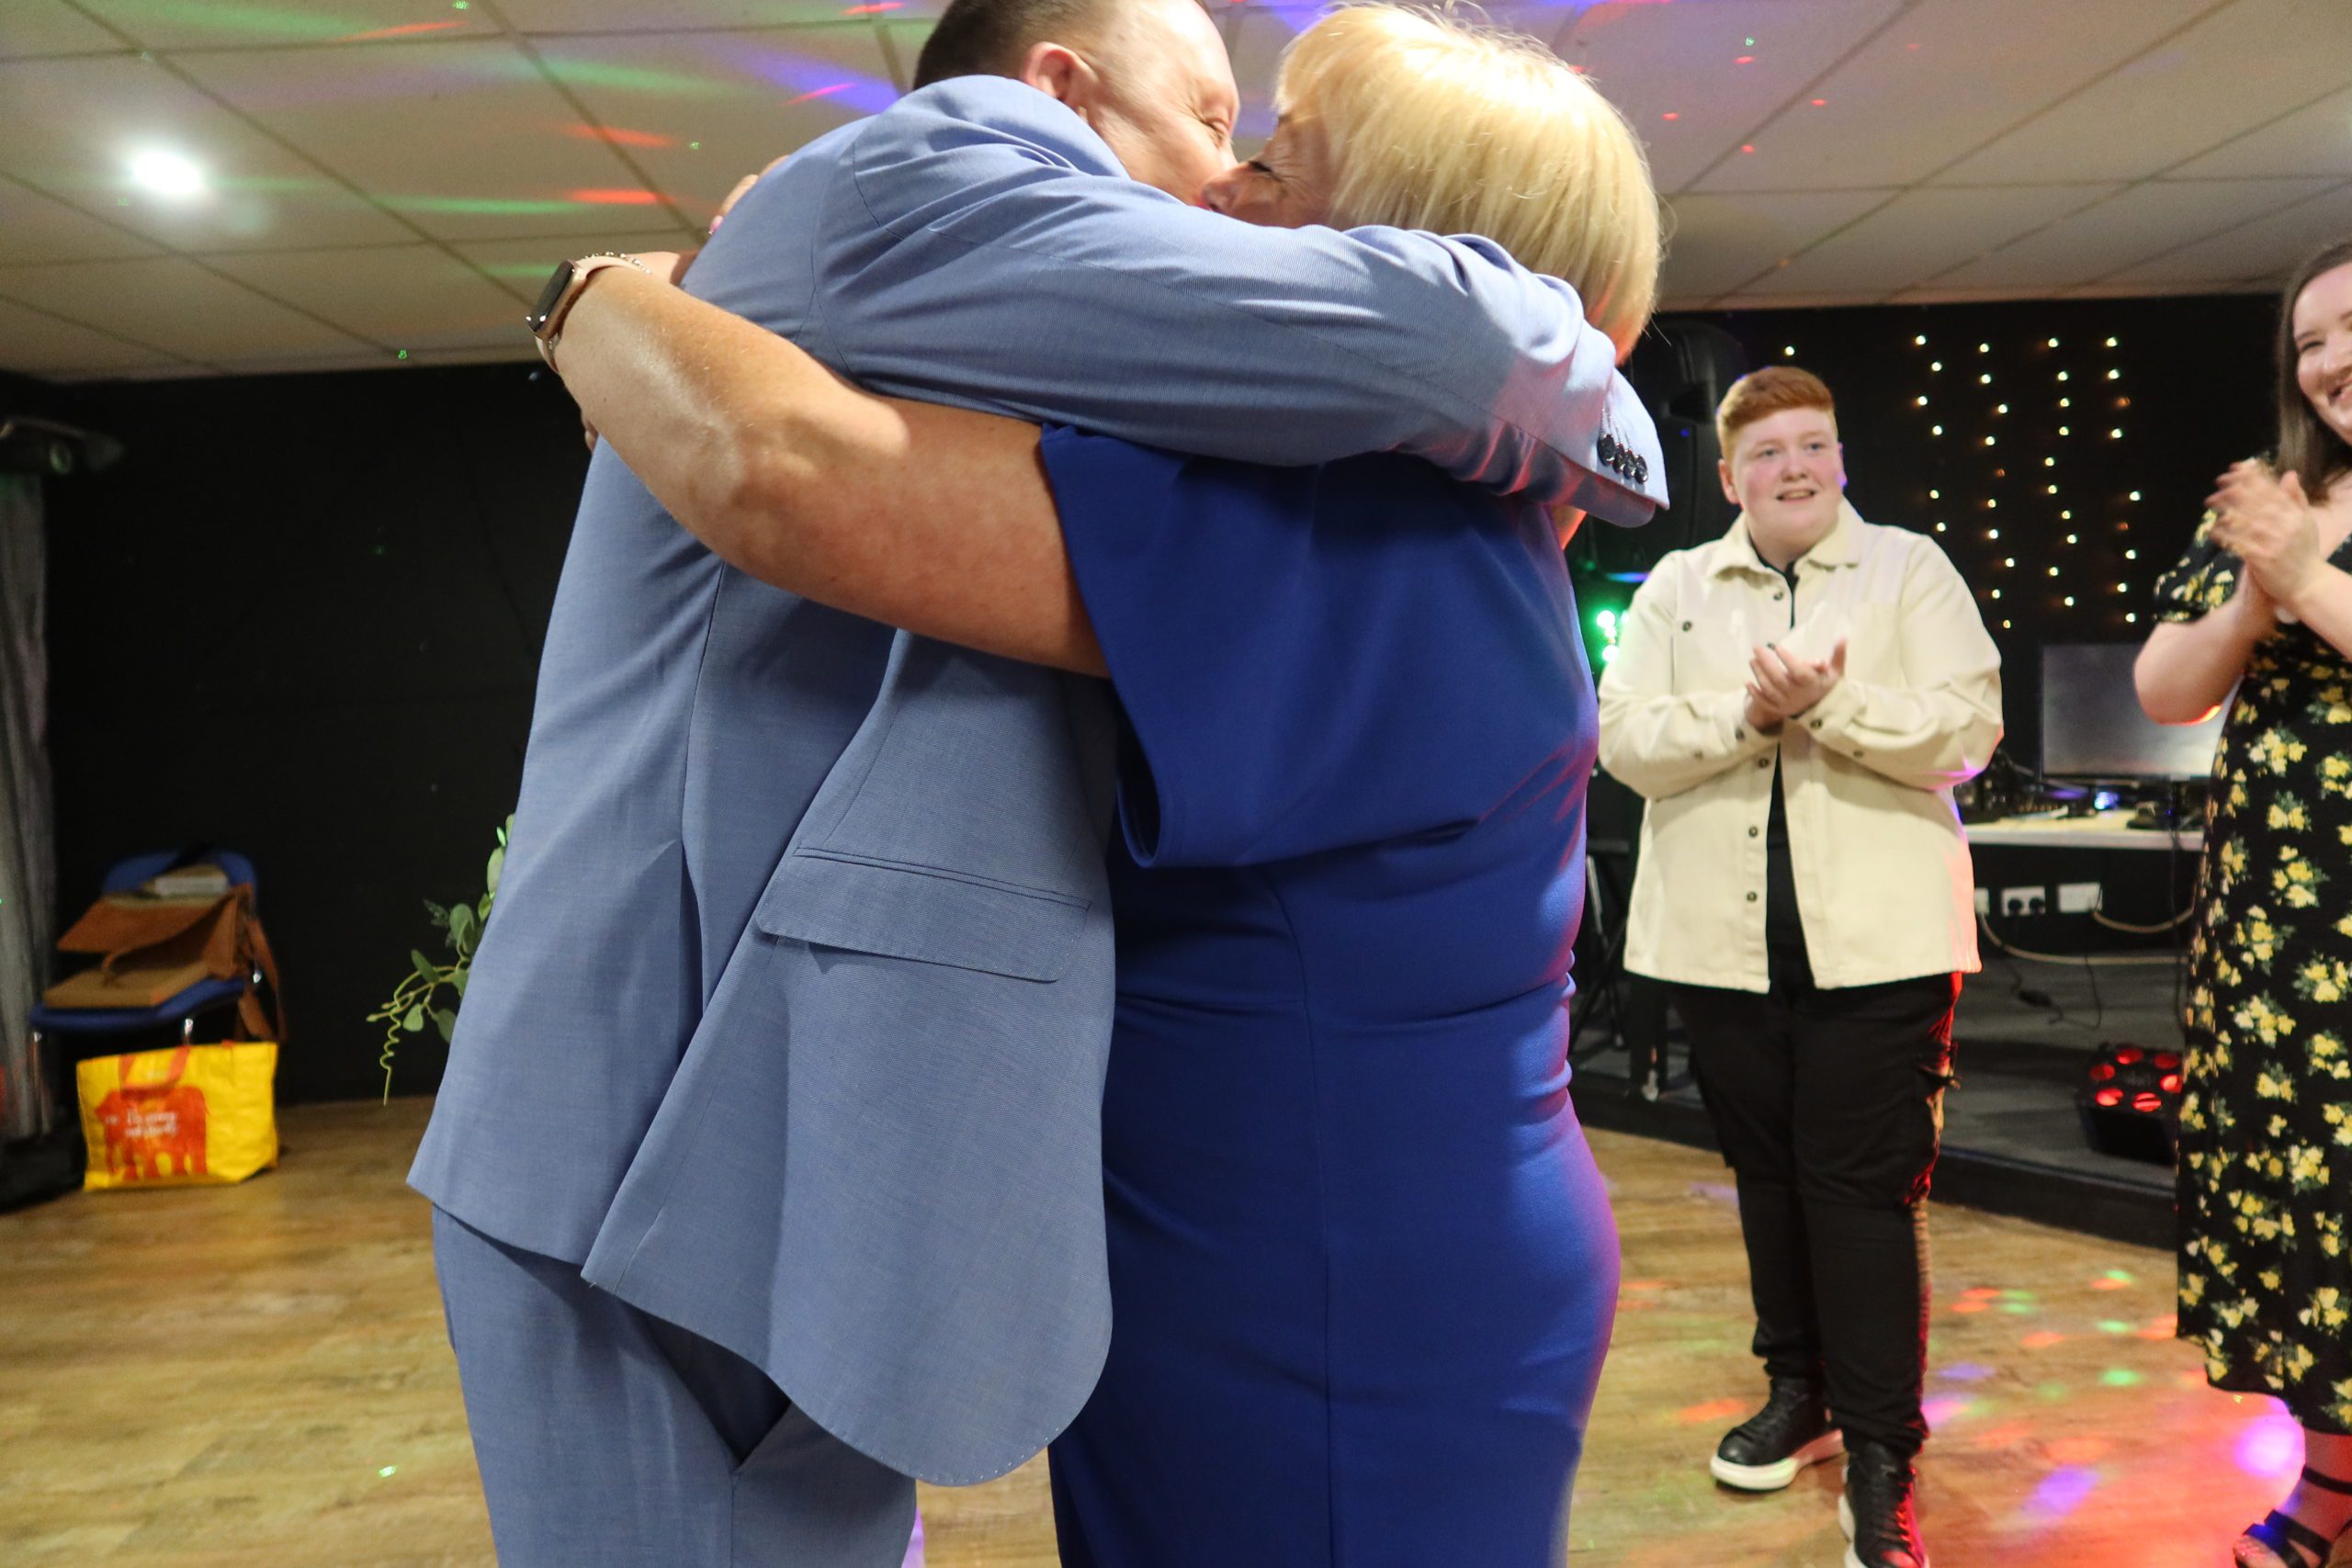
pixel 2266 1119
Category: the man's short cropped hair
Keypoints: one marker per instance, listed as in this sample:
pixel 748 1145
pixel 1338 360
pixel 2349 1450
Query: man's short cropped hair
pixel 1761 394
pixel 988 38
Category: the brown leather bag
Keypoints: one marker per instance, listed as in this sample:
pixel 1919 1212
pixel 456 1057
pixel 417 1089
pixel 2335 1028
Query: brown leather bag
pixel 153 949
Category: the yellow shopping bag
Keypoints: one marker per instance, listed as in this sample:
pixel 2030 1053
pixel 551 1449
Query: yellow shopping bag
pixel 177 1118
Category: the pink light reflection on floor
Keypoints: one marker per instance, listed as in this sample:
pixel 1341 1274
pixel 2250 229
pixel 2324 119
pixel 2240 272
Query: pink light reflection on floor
pixel 2271 1445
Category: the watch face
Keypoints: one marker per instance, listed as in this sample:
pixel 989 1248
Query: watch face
pixel 549 298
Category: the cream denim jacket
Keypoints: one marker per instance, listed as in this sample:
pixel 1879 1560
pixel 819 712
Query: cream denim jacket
pixel 1882 877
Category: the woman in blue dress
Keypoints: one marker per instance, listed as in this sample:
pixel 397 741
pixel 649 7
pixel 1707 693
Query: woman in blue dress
pixel 1362 1266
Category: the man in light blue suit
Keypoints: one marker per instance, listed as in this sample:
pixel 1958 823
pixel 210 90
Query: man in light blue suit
pixel 766 1164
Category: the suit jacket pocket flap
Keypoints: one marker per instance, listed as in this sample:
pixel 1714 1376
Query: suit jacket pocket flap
pixel 930 915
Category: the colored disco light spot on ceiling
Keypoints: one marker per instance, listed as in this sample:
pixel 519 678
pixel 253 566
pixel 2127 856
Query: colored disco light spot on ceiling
pixel 411 29
pixel 814 78
pixel 617 196
pixel 618 137
pixel 281 24
pixel 2270 1445
pixel 875 10
pixel 575 72
pixel 820 93
pixel 2060 1493
pixel 478 206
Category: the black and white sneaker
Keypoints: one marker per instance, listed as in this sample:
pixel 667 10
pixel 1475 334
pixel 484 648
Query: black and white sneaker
pixel 1764 1453
pixel 1877 1510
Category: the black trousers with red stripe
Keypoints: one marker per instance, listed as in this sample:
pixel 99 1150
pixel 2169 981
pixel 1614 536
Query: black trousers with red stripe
pixel 1828 1106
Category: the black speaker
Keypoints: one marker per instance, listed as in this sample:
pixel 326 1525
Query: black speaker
pixel 1681 371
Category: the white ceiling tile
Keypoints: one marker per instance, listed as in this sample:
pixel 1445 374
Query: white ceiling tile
pixel 2232 72
pixel 2122 290
pixel 2269 248
pixel 460 138
pixel 69 127
pixel 174 305
pixel 1939 295
pixel 1721 242
pixel 2314 139
pixel 2126 229
pixel 407 296
pixel 1653 61
pixel 35 343
pixel 1949 75
pixel 242 24
pixel 1923 232
pixel 35 229
pixel 29 27
pixel 699 110
pixel 522 266
pixel 314 364
pixel 571 16
pixel 1770 303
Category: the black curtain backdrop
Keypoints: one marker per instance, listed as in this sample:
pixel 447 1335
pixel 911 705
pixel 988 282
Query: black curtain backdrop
pixel 302 619
pixel 304 616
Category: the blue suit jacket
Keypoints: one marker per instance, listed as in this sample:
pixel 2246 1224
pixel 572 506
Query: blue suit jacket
pixel 790 1024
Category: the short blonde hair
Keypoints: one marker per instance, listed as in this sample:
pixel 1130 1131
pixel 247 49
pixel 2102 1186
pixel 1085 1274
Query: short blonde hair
pixel 1434 123
pixel 1761 394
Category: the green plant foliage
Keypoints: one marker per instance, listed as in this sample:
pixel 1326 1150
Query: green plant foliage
pixel 413 1002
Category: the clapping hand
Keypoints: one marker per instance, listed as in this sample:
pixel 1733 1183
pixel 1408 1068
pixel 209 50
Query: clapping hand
pixel 2268 522
pixel 1782 686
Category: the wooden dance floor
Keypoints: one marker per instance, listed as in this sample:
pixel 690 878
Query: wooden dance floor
pixel 224 1378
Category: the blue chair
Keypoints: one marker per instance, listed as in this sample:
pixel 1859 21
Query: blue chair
pixel 205 997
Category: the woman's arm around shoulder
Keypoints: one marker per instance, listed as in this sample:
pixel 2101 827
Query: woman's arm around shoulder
pixel 936 520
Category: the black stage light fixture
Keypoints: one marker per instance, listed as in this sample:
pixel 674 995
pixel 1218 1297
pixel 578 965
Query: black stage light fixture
pixel 2130 1102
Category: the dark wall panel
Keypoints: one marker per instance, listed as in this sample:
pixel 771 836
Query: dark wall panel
pixel 302 618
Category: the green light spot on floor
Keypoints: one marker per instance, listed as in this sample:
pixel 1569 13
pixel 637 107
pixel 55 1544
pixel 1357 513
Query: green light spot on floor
pixel 2120 1377
pixel 2051 1392
pixel 2110 1325
pixel 2017 1309
pixel 387 1471
pixel 2121 1276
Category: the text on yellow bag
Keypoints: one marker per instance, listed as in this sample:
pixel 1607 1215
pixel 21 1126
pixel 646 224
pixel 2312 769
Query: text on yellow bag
pixel 190 1115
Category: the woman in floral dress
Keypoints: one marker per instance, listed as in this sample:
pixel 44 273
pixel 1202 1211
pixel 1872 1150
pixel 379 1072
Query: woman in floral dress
pixel 2263 600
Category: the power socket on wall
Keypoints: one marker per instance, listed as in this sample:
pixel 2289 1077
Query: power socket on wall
pixel 2025 900
pixel 2078 897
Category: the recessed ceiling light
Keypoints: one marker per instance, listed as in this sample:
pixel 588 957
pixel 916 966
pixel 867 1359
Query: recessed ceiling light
pixel 166 173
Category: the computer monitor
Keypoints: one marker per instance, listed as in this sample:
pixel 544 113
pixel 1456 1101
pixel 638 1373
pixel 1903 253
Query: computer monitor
pixel 2092 726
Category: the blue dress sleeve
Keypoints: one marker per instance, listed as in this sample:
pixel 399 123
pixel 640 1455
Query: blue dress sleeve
pixel 1316 658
